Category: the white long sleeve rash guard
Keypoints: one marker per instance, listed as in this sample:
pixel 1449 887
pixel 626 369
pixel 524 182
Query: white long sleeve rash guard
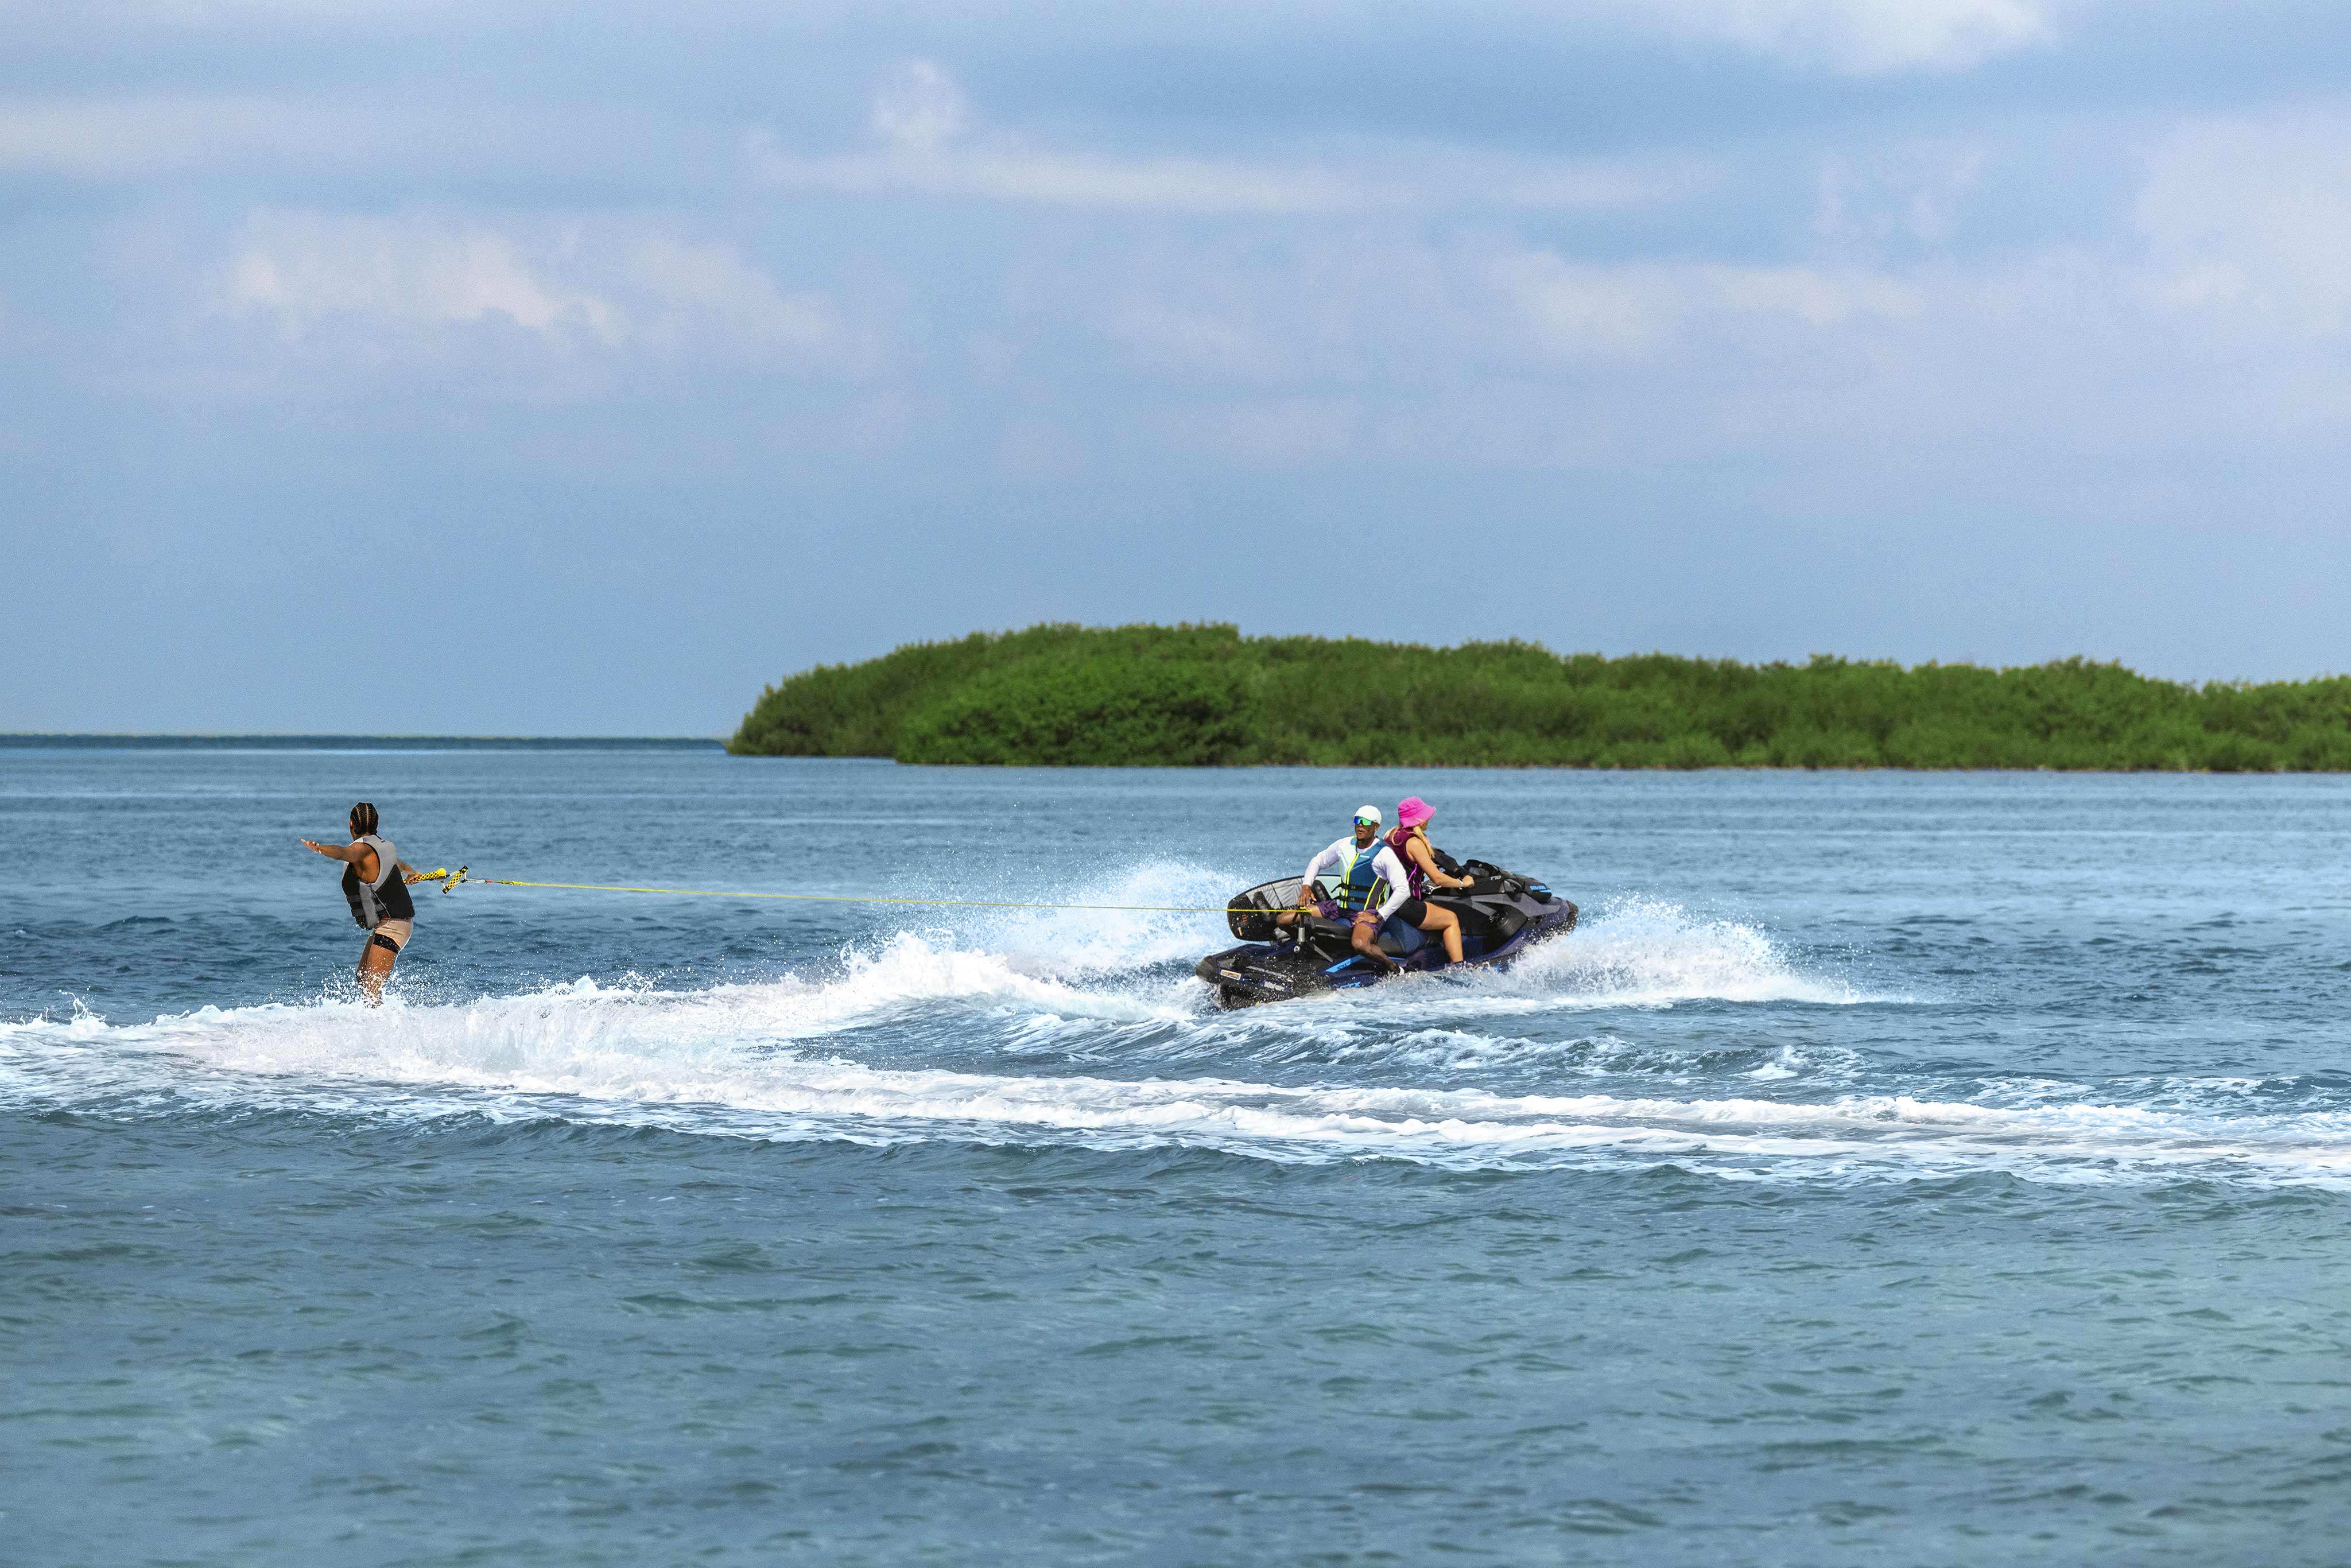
pixel 1383 863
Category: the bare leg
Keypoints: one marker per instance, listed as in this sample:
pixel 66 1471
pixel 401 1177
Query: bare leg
pixel 1365 935
pixel 1447 924
pixel 375 963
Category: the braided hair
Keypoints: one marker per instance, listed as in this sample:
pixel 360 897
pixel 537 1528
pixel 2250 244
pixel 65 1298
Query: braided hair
pixel 363 819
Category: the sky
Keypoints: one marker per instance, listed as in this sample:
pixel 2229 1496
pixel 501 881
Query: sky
pixel 580 368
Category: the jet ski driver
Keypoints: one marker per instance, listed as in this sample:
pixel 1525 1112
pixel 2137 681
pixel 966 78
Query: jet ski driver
pixel 1374 888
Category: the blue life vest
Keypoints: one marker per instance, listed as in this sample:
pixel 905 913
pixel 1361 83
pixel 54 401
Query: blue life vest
pixel 1358 886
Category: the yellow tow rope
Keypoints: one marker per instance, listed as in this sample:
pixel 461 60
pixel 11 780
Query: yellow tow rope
pixel 451 879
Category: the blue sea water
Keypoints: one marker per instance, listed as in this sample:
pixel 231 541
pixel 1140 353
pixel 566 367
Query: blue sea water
pixel 1891 1168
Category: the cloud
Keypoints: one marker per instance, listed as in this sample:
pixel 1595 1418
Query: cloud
pixel 122 138
pixel 932 150
pixel 920 108
pixel 708 299
pixel 1629 310
pixel 1197 186
pixel 1859 37
pixel 346 89
pixel 313 145
pixel 306 265
pixel 607 288
pixel 2248 221
pixel 1164 335
pixel 1856 37
pixel 1403 347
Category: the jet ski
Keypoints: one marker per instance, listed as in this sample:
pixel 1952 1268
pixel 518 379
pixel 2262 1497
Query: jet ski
pixel 1284 953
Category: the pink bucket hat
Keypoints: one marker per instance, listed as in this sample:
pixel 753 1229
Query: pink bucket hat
pixel 1414 811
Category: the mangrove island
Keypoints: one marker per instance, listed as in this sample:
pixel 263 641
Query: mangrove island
pixel 1207 695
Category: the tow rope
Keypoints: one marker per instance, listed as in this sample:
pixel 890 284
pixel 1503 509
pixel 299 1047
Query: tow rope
pixel 451 880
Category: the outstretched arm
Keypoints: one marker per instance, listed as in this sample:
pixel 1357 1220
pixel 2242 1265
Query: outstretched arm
pixel 1422 857
pixel 357 856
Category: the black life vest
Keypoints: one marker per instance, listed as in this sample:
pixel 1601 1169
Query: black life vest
pixel 386 898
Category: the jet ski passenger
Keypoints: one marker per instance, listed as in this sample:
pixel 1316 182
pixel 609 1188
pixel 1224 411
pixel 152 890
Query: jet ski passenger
pixel 1410 841
pixel 1370 886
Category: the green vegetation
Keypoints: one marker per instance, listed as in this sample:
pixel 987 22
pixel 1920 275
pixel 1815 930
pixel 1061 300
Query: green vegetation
pixel 1188 694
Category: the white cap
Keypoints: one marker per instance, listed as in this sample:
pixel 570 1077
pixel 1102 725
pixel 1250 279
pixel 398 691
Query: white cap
pixel 1368 813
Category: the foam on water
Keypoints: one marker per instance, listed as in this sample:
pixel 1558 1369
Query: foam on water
pixel 1071 994
pixel 1633 952
pixel 1643 952
pixel 588 1055
pixel 1157 912
pixel 772 1059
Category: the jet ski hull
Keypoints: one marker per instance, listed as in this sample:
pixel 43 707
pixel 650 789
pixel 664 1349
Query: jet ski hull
pixel 1502 914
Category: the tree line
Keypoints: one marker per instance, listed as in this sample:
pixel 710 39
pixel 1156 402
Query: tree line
pixel 1207 695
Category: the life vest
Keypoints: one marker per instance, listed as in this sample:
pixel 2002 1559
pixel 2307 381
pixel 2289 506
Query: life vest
pixel 385 898
pixel 1357 885
pixel 1415 880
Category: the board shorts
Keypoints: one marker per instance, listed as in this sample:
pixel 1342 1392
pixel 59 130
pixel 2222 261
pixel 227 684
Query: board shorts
pixel 395 931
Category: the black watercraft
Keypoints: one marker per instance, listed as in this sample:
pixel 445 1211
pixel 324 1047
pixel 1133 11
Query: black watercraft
pixel 1284 953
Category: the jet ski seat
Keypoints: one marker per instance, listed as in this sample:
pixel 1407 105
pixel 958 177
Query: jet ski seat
pixel 1337 938
pixel 1414 941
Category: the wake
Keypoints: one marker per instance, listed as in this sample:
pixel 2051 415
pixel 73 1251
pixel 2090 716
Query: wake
pixel 808 1057
pixel 588 1056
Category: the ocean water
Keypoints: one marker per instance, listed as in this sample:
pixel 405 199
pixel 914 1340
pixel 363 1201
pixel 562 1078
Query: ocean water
pixel 1891 1168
